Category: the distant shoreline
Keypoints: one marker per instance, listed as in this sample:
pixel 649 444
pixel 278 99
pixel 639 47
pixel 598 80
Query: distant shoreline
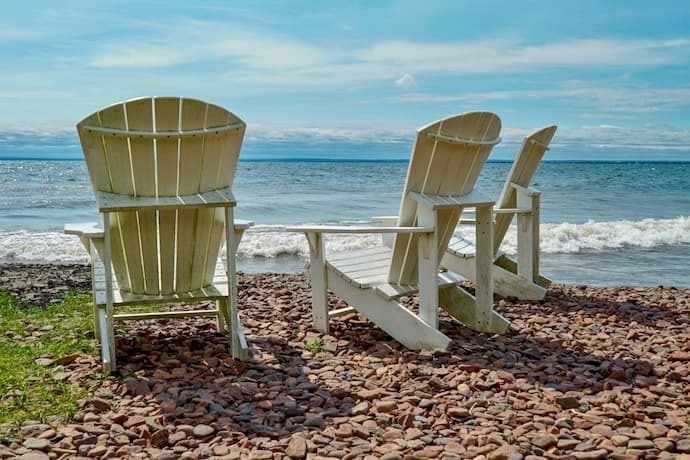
pixel 361 160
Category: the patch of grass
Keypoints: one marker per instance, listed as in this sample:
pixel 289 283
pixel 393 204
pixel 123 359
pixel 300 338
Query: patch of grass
pixel 316 346
pixel 28 391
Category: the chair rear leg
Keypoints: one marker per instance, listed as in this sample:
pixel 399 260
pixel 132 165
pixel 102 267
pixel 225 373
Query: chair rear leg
pixel 221 318
pixel 107 339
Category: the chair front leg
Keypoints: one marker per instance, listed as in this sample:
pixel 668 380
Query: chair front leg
pixel 231 307
pixel 484 286
pixel 428 266
pixel 319 281
pixel 106 323
pixel 528 234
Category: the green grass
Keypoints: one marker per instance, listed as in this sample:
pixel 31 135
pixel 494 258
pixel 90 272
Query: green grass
pixel 316 347
pixel 28 391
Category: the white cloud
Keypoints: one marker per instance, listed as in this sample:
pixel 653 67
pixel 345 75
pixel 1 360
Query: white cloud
pixel 407 81
pixel 652 137
pixel 210 41
pixel 263 56
pixel 656 137
pixel 325 134
pixel 271 53
pixel 508 56
pixel 141 57
pixel 609 100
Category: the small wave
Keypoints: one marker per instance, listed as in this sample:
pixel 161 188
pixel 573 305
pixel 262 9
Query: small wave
pixel 264 243
pixel 52 247
pixel 271 241
pixel 274 240
pixel 597 236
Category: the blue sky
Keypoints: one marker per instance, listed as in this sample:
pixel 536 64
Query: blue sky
pixel 613 75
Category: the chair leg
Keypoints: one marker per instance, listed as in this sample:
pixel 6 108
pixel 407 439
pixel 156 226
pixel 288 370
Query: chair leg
pixel 462 306
pixel 96 324
pixel 483 259
pixel 93 255
pixel 238 342
pixel 319 284
pixel 107 341
pixel 241 350
pixel 220 318
pixel 399 322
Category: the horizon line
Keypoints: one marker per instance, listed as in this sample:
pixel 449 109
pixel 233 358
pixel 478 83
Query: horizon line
pixel 364 160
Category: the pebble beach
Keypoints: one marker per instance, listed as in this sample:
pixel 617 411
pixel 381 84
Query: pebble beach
pixel 587 373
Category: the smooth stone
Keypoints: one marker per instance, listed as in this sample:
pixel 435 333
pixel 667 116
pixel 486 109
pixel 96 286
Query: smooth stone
pixel 36 443
pixel 201 431
pixel 296 448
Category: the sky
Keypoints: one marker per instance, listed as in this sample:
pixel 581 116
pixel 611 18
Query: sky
pixel 614 76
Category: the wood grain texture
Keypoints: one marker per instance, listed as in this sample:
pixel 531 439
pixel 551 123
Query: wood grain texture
pixel 521 173
pixel 160 181
pixel 441 168
pixel 158 247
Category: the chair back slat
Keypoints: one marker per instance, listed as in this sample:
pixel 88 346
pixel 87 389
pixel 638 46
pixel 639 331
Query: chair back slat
pixel 139 240
pixel 95 155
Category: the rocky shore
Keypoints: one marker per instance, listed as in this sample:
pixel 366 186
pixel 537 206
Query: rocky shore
pixel 588 373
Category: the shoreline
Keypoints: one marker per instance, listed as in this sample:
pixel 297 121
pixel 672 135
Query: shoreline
pixel 586 373
pixel 46 282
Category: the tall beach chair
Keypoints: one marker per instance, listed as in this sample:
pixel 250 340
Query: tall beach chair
pixel 515 278
pixel 162 171
pixel 447 158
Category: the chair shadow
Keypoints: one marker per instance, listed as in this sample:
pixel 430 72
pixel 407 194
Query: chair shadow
pixel 576 339
pixel 176 375
pixel 181 373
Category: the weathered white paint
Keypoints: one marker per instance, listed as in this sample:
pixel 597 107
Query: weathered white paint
pixel 446 161
pixel 519 279
pixel 162 171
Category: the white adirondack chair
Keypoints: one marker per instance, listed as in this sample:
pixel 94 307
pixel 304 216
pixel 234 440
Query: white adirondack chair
pixel 519 278
pixel 446 160
pixel 162 172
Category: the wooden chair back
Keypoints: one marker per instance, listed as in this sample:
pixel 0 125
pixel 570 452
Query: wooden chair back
pixel 163 147
pixel 447 158
pixel 521 173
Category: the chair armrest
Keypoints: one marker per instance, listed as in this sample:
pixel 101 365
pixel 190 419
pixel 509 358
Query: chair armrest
pixel 527 199
pixel 357 229
pixel 475 198
pixel 529 191
pixel 88 230
pixel 94 230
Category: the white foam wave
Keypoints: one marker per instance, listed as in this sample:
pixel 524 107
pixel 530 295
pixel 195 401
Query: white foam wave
pixel 270 241
pixel 273 241
pixel 52 247
pixel 596 236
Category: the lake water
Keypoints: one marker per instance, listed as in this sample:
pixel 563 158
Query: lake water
pixel 603 223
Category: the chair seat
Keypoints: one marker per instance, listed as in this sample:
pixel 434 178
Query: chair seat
pixel 461 247
pixel 217 290
pixel 368 269
pixel 364 268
